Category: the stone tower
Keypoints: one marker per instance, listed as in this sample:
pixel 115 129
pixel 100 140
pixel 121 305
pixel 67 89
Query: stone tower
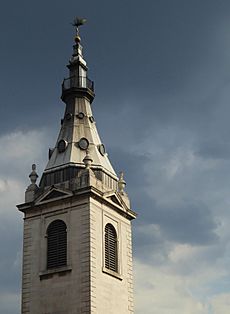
pixel 77 251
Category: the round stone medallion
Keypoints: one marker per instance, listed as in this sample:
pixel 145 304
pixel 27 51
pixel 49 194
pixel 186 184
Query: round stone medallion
pixel 62 144
pixel 81 115
pixel 101 149
pixel 83 143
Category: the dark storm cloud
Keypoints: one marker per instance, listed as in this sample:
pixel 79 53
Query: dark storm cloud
pixel 146 48
pixel 161 229
pixel 127 160
pixel 215 149
pixel 191 223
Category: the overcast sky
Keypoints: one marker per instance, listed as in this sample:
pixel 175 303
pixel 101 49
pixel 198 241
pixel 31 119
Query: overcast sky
pixel 162 75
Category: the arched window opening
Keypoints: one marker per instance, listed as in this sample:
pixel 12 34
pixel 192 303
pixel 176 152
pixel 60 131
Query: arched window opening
pixel 111 259
pixel 56 244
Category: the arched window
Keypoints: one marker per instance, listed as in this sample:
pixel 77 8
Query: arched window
pixel 111 260
pixel 56 244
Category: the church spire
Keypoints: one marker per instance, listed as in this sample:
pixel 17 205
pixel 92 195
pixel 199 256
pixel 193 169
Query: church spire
pixel 78 132
pixel 77 247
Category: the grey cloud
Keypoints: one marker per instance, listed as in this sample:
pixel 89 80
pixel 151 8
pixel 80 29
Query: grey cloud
pixel 11 247
pixel 214 148
pixel 189 224
pixel 192 223
pixel 153 57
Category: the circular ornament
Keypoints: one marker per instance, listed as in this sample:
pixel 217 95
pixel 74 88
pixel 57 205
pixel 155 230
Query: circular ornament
pixel 101 149
pixel 91 119
pixel 62 144
pixel 81 115
pixel 83 143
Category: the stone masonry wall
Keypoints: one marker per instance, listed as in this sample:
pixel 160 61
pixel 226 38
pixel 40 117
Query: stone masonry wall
pixel 110 294
pixel 57 291
pixel 26 270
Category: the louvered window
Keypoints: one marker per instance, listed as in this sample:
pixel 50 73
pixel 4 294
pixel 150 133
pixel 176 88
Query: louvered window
pixel 111 260
pixel 56 244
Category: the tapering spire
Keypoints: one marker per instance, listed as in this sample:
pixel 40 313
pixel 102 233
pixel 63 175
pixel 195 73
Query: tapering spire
pixel 78 134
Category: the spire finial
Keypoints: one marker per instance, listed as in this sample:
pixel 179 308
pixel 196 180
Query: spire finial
pixel 33 175
pixel 121 183
pixel 76 23
pixel 87 160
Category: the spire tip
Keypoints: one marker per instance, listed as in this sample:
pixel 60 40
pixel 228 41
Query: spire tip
pixel 78 21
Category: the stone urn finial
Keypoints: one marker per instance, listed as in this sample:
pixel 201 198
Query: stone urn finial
pixel 32 189
pixel 33 175
pixel 87 160
pixel 121 183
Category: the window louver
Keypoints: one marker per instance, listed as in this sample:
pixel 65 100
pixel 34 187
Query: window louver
pixel 111 261
pixel 56 244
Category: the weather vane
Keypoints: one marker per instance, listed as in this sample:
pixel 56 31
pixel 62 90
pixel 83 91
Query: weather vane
pixel 78 22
